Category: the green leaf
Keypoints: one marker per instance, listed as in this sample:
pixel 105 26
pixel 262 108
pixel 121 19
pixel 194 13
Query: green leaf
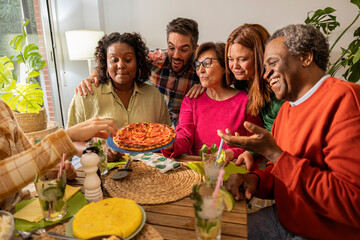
pixel 329 10
pixel 213 148
pixel 34 74
pixel 10 86
pixel 345 75
pixel 17 42
pixel 356 2
pixel 203 149
pixel 322 20
pixel 354 72
pixel 25 98
pixel 23 27
pixel 6 74
pixel 356 56
pixel 19 58
pixel 30 48
pixel 357 32
pixel 6 97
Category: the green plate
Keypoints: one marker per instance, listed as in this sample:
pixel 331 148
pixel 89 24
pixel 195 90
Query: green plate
pixel 69 228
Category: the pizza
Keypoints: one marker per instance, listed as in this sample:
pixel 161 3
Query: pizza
pixel 144 136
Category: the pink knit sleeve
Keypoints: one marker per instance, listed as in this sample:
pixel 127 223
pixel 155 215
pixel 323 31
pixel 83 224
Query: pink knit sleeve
pixel 184 131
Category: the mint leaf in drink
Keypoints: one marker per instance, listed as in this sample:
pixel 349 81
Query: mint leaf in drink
pixel 203 149
pixel 213 149
pixel 98 145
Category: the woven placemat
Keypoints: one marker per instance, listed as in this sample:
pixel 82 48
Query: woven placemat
pixel 147 233
pixel 147 185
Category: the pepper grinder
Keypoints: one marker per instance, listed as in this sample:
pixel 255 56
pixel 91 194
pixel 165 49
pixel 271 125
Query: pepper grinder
pixel 92 183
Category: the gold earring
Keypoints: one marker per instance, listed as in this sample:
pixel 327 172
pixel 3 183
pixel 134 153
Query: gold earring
pixel 107 74
pixel 139 72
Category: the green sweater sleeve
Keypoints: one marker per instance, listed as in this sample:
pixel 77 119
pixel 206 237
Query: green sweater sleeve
pixel 268 114
pixel 270 111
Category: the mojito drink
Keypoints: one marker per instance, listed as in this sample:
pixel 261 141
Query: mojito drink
pixel 51 192
pixel 207 216
pixel 103 151
pixel 211 168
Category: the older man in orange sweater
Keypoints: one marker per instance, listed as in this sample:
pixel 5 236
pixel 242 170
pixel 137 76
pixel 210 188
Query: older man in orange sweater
pixel 314 146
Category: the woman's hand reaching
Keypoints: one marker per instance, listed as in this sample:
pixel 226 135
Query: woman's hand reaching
pixel 94 127
pixel 229 156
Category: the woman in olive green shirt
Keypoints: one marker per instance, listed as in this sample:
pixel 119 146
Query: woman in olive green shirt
pixel 123 96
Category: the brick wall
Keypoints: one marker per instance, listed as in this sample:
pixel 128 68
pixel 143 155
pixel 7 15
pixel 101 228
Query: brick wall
pixel 47 87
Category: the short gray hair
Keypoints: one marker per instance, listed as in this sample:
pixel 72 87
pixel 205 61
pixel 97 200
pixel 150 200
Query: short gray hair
pixel 305 38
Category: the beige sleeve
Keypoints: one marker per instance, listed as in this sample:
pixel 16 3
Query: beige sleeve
pixel 19 170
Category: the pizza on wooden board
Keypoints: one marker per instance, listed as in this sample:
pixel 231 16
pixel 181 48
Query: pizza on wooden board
pixel 144 136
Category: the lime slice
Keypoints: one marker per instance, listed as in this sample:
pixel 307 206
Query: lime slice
pixel 228 199
pixel 221 157
pixel 214 231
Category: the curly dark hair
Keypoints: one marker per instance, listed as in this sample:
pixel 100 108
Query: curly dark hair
pixel 141 53
pixel 254 37
pixel 184 26
pixel 301 38
pixel 219 49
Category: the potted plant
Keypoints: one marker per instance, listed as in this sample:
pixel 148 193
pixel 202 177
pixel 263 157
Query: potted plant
pixel 24 97
pixel 324 21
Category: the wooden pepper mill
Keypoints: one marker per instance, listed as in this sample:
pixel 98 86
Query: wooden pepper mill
pixel 92 183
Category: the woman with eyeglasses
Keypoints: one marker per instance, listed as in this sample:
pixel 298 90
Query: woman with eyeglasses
pixel 244 56
pixel 218 108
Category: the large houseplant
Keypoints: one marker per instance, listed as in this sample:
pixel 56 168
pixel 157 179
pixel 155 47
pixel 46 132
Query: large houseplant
pixel 349 59
pixel 23 97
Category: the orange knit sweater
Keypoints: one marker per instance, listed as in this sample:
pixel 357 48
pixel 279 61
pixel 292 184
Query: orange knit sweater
pixel 316 181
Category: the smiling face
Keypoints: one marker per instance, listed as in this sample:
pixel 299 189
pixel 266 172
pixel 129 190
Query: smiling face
pixel 241 61
pixel 121 63
pixel 180 51
pixel 283 71
pixel 213 75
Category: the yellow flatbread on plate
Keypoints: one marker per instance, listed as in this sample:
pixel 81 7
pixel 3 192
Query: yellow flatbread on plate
pixel 112 216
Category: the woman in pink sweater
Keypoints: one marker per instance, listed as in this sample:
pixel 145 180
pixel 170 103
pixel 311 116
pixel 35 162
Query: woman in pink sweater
pixel 220 107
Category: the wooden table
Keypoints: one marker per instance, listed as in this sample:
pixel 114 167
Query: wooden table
pixel 176 220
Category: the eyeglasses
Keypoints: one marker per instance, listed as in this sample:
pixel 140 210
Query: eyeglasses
pixel 206 63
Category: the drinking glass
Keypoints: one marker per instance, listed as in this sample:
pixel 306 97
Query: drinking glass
pixel 207 215
pixel 211 169
pixel 103 157
pixel 51 191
